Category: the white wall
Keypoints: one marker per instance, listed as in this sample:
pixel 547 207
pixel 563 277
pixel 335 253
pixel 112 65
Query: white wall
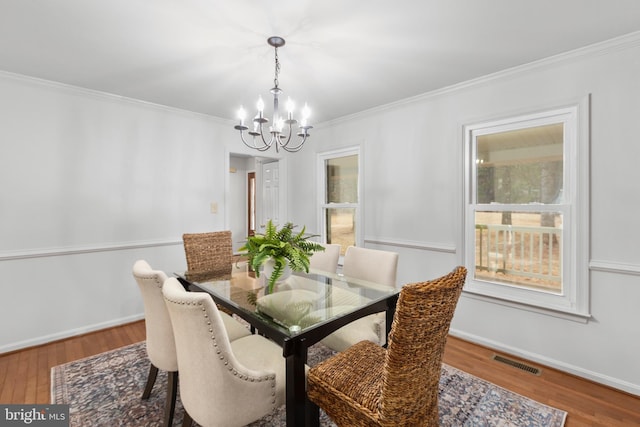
pixel 90 183
pixel 413 201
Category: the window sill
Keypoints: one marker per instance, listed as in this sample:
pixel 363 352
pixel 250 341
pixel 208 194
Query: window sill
pixel 561 314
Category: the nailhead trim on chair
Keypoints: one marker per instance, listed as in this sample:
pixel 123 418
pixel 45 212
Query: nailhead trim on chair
pixel 230 366
pixel 151 276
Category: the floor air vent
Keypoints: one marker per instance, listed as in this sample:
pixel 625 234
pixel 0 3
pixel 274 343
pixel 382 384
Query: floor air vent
pixel 522 366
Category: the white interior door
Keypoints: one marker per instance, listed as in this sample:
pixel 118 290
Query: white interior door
pixel 271 192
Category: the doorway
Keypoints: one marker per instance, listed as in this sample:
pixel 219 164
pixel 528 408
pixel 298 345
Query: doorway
pixel 251 203
pixel 252 199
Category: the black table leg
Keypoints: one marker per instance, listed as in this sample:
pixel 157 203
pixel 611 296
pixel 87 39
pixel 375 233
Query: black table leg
pixel 313 414
pixel 296 394
pixel 391 311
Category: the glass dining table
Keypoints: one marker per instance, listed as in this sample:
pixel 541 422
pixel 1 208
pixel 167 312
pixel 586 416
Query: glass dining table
pixel 300 311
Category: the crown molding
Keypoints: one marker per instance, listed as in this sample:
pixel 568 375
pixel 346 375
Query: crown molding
pixel 606 47
pixel 106 96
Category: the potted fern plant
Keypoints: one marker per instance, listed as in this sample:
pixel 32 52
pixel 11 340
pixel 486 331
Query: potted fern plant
pixel 284 248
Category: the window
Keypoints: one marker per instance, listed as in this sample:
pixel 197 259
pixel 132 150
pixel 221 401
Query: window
pixel 526 210
pixel 340 196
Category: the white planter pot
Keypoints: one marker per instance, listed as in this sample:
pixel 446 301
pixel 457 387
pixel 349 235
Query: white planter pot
pixel 267 270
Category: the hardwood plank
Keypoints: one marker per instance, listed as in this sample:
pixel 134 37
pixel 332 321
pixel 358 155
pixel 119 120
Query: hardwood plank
pixel 31 376
pixel 8 385
pixel 43 387
pixel 20 379
pixel 73 349
pixel 4 368
pixel 4 374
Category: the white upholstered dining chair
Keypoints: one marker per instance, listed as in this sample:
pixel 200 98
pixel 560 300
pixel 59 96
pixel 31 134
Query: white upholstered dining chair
pixel 326 260
pixel 371 265
pixel 222 382
pixel 161 348
pixel 160 341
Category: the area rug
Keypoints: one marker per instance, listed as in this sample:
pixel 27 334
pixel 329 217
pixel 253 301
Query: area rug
pixel 105 390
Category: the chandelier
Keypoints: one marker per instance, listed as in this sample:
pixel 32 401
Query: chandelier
pixel 282 130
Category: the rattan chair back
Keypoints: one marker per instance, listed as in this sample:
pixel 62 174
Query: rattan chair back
pixel 416 345
pixel 208 252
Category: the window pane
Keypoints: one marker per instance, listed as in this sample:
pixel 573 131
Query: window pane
pixel 514 248
pixel 342 179
pixel 341 227
pixel 521 166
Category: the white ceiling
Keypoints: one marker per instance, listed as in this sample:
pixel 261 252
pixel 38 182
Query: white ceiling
pixel 341 56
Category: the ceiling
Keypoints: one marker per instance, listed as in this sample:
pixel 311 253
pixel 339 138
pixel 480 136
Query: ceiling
pixel 342 57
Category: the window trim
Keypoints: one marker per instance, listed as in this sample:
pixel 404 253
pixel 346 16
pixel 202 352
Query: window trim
pixel 573 303
pixel 322 205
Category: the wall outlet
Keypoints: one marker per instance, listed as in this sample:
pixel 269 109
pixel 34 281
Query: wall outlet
pixel 214 207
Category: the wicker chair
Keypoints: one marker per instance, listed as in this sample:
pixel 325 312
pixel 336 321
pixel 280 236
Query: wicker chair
pixel 208 252
pixel 375 266
pixel 367 385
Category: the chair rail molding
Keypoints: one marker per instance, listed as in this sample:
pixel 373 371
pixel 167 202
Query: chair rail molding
pixel 74 250
pixel 412 244
pixel 614 267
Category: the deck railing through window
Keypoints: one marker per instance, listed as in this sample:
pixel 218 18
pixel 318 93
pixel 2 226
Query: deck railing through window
pixel 526 256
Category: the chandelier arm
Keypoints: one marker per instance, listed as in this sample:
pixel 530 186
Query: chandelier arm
pixel 264 141
pixel 263 148
pixel 288 138
pixel 297 147
pixel 253 146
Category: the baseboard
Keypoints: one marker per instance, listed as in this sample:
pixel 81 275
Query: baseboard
pixel 552 363
pixel 69 333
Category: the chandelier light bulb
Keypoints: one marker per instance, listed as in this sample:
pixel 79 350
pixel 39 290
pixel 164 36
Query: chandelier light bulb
pixel 260 106
pixel 306 111
pixel 242 115
pixel 290 107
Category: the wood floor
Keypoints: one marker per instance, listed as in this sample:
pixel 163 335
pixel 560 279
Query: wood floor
pixel 25 377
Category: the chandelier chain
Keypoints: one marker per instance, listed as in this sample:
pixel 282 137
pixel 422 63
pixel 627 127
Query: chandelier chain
pixel 275 79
